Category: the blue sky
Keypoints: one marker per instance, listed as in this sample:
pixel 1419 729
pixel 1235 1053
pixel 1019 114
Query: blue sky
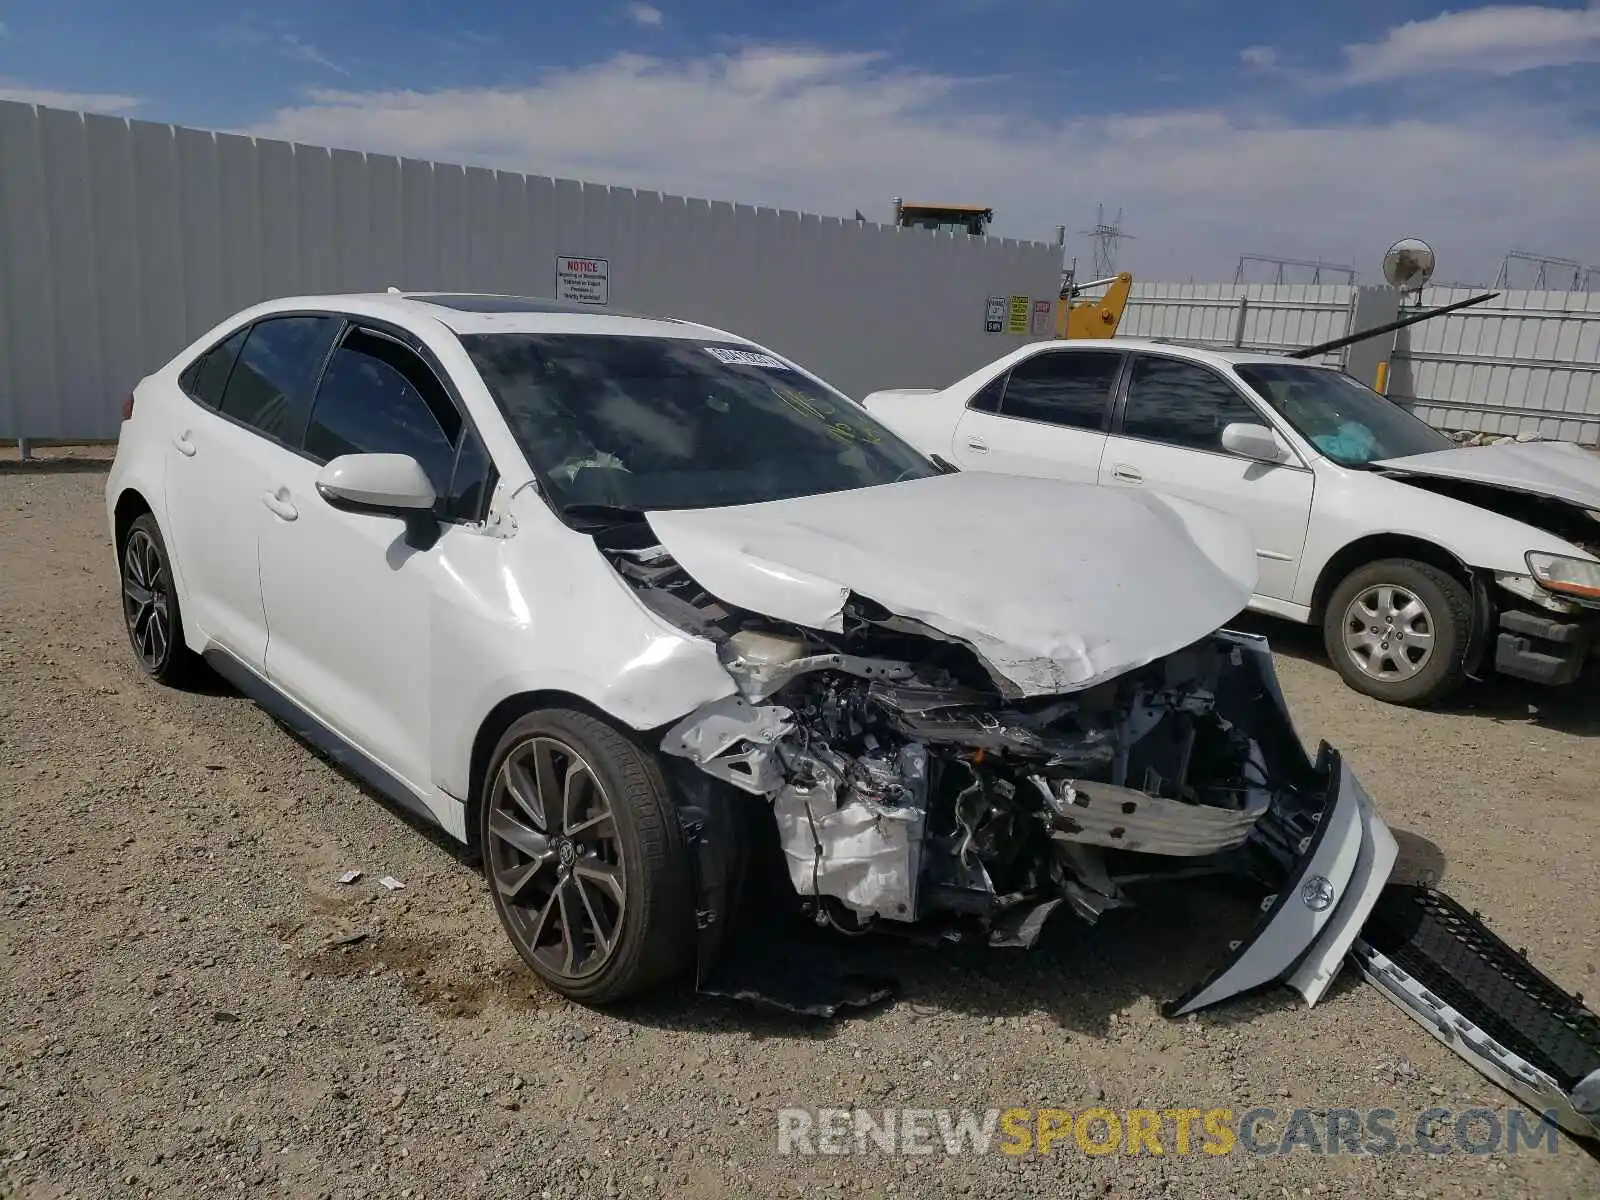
pixel 1313 129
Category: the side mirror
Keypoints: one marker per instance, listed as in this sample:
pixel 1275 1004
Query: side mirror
pixel 381 484
pixel 1250 440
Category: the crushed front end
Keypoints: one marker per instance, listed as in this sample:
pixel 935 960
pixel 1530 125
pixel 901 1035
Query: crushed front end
pixel 882 775
pixel 908 788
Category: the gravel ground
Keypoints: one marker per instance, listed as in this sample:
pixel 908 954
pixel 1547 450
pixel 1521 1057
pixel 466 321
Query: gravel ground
pixel 192 1005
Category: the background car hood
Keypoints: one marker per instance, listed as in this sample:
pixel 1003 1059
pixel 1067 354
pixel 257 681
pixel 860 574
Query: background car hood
pixel 1056 586
pixel 1559 469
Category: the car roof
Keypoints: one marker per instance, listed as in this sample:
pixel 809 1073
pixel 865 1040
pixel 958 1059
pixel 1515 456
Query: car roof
pixel 485 312
pixel 1178 350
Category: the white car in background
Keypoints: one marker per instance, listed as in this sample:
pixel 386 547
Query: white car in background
pixel 1424 562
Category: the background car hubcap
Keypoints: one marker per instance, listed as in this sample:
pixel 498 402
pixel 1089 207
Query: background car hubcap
pixel 554 858
pixel 1388 632
pixel 146 599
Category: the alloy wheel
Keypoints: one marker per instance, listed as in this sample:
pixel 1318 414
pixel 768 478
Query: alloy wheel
pixel 1388 632
pixel 555 859
pixel 147 599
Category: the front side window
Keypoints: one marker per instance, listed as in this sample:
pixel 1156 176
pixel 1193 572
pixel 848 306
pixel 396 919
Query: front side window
pixel 1070 388
pixel 379 397
pixel 647 422
pixel 270 386
pixel 1182 404
pixel 1344 419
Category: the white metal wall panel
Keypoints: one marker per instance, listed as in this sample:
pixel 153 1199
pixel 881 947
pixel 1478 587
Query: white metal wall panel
pixel 121 241
pixel 1525 362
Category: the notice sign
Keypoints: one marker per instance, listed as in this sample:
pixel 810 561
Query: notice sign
pixel 994 314
pixel 1041 318
pixel 582 280
pixel 1017 315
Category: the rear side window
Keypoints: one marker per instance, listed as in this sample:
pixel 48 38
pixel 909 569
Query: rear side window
pixel 1070 388
pixel 987 398
pixel 270 387
pixel 207 376
pixel 379 397
pixel 1182 404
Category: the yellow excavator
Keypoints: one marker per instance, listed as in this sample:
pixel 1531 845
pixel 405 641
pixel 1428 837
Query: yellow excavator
pixel 1093 318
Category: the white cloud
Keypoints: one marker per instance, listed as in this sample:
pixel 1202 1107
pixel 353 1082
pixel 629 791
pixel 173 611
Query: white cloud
pixel 647 15
pixel 821 132
pixel 246 33
pixel 100 102
pixel 307 53
pixel 1498 40
pixel 1259 56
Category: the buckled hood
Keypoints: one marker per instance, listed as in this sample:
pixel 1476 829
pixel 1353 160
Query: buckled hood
pixel 1561 470
pixel 1056 586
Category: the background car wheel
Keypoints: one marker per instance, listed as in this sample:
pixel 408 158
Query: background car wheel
pixel 1397 630
pixel 150 605
pixel 585 859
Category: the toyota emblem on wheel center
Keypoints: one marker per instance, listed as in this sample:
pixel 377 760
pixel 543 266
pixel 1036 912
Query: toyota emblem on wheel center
pixel 1317 892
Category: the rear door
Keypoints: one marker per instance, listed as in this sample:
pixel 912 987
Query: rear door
pixel 251 395
pixel 1168 436
pixel 1047 416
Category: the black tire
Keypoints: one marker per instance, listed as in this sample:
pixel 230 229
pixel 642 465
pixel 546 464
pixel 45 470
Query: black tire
pixel 1447 609
pixel 150 611
pixel 654 939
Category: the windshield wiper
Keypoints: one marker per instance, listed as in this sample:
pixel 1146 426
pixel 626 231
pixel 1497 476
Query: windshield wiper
pixel 607 514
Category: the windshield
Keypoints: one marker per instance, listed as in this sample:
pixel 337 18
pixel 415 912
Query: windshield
pixel 645 422
pixel 1346 420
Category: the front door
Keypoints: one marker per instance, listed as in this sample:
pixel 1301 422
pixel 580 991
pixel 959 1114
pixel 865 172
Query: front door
pixel 350 596
pixel 1169 437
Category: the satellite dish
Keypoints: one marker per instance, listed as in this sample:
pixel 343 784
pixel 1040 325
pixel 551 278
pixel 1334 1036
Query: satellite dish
pixel 1409 265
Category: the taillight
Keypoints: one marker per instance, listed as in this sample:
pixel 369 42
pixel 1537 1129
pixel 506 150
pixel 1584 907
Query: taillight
pixel 127 408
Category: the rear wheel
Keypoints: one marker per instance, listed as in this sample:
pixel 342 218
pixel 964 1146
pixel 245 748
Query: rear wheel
pixel 586 863
pixel 1397 630
pixel 150 605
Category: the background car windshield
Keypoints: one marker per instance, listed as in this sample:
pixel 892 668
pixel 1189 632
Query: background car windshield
pixel 1346 420
pixel 641 422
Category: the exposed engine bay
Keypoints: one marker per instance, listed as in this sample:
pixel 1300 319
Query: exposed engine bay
pixel 1557 517
pixel 903 793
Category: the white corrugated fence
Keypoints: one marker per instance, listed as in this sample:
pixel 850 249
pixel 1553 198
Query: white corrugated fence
pixel 121 241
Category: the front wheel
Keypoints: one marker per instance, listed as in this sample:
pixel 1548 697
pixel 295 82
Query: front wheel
pixel 586 862
pixel 1397 630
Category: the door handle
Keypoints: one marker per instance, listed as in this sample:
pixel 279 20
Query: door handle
pixel 280 504
pixel 1126 474
pixel 183 445
pixel 977 444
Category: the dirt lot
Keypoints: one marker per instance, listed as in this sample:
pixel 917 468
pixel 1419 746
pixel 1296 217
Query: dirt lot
pixel 178 1018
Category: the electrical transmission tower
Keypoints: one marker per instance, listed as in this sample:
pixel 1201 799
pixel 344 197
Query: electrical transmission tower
pixel 1106 235
pixel 1282 265
pixel 1569 274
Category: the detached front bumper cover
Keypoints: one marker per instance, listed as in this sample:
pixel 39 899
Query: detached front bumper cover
pixel 1337 860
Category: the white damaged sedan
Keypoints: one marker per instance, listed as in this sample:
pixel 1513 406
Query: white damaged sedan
pixel 655 620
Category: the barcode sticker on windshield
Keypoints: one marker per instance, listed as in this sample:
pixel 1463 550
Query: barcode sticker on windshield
pixel 744 358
